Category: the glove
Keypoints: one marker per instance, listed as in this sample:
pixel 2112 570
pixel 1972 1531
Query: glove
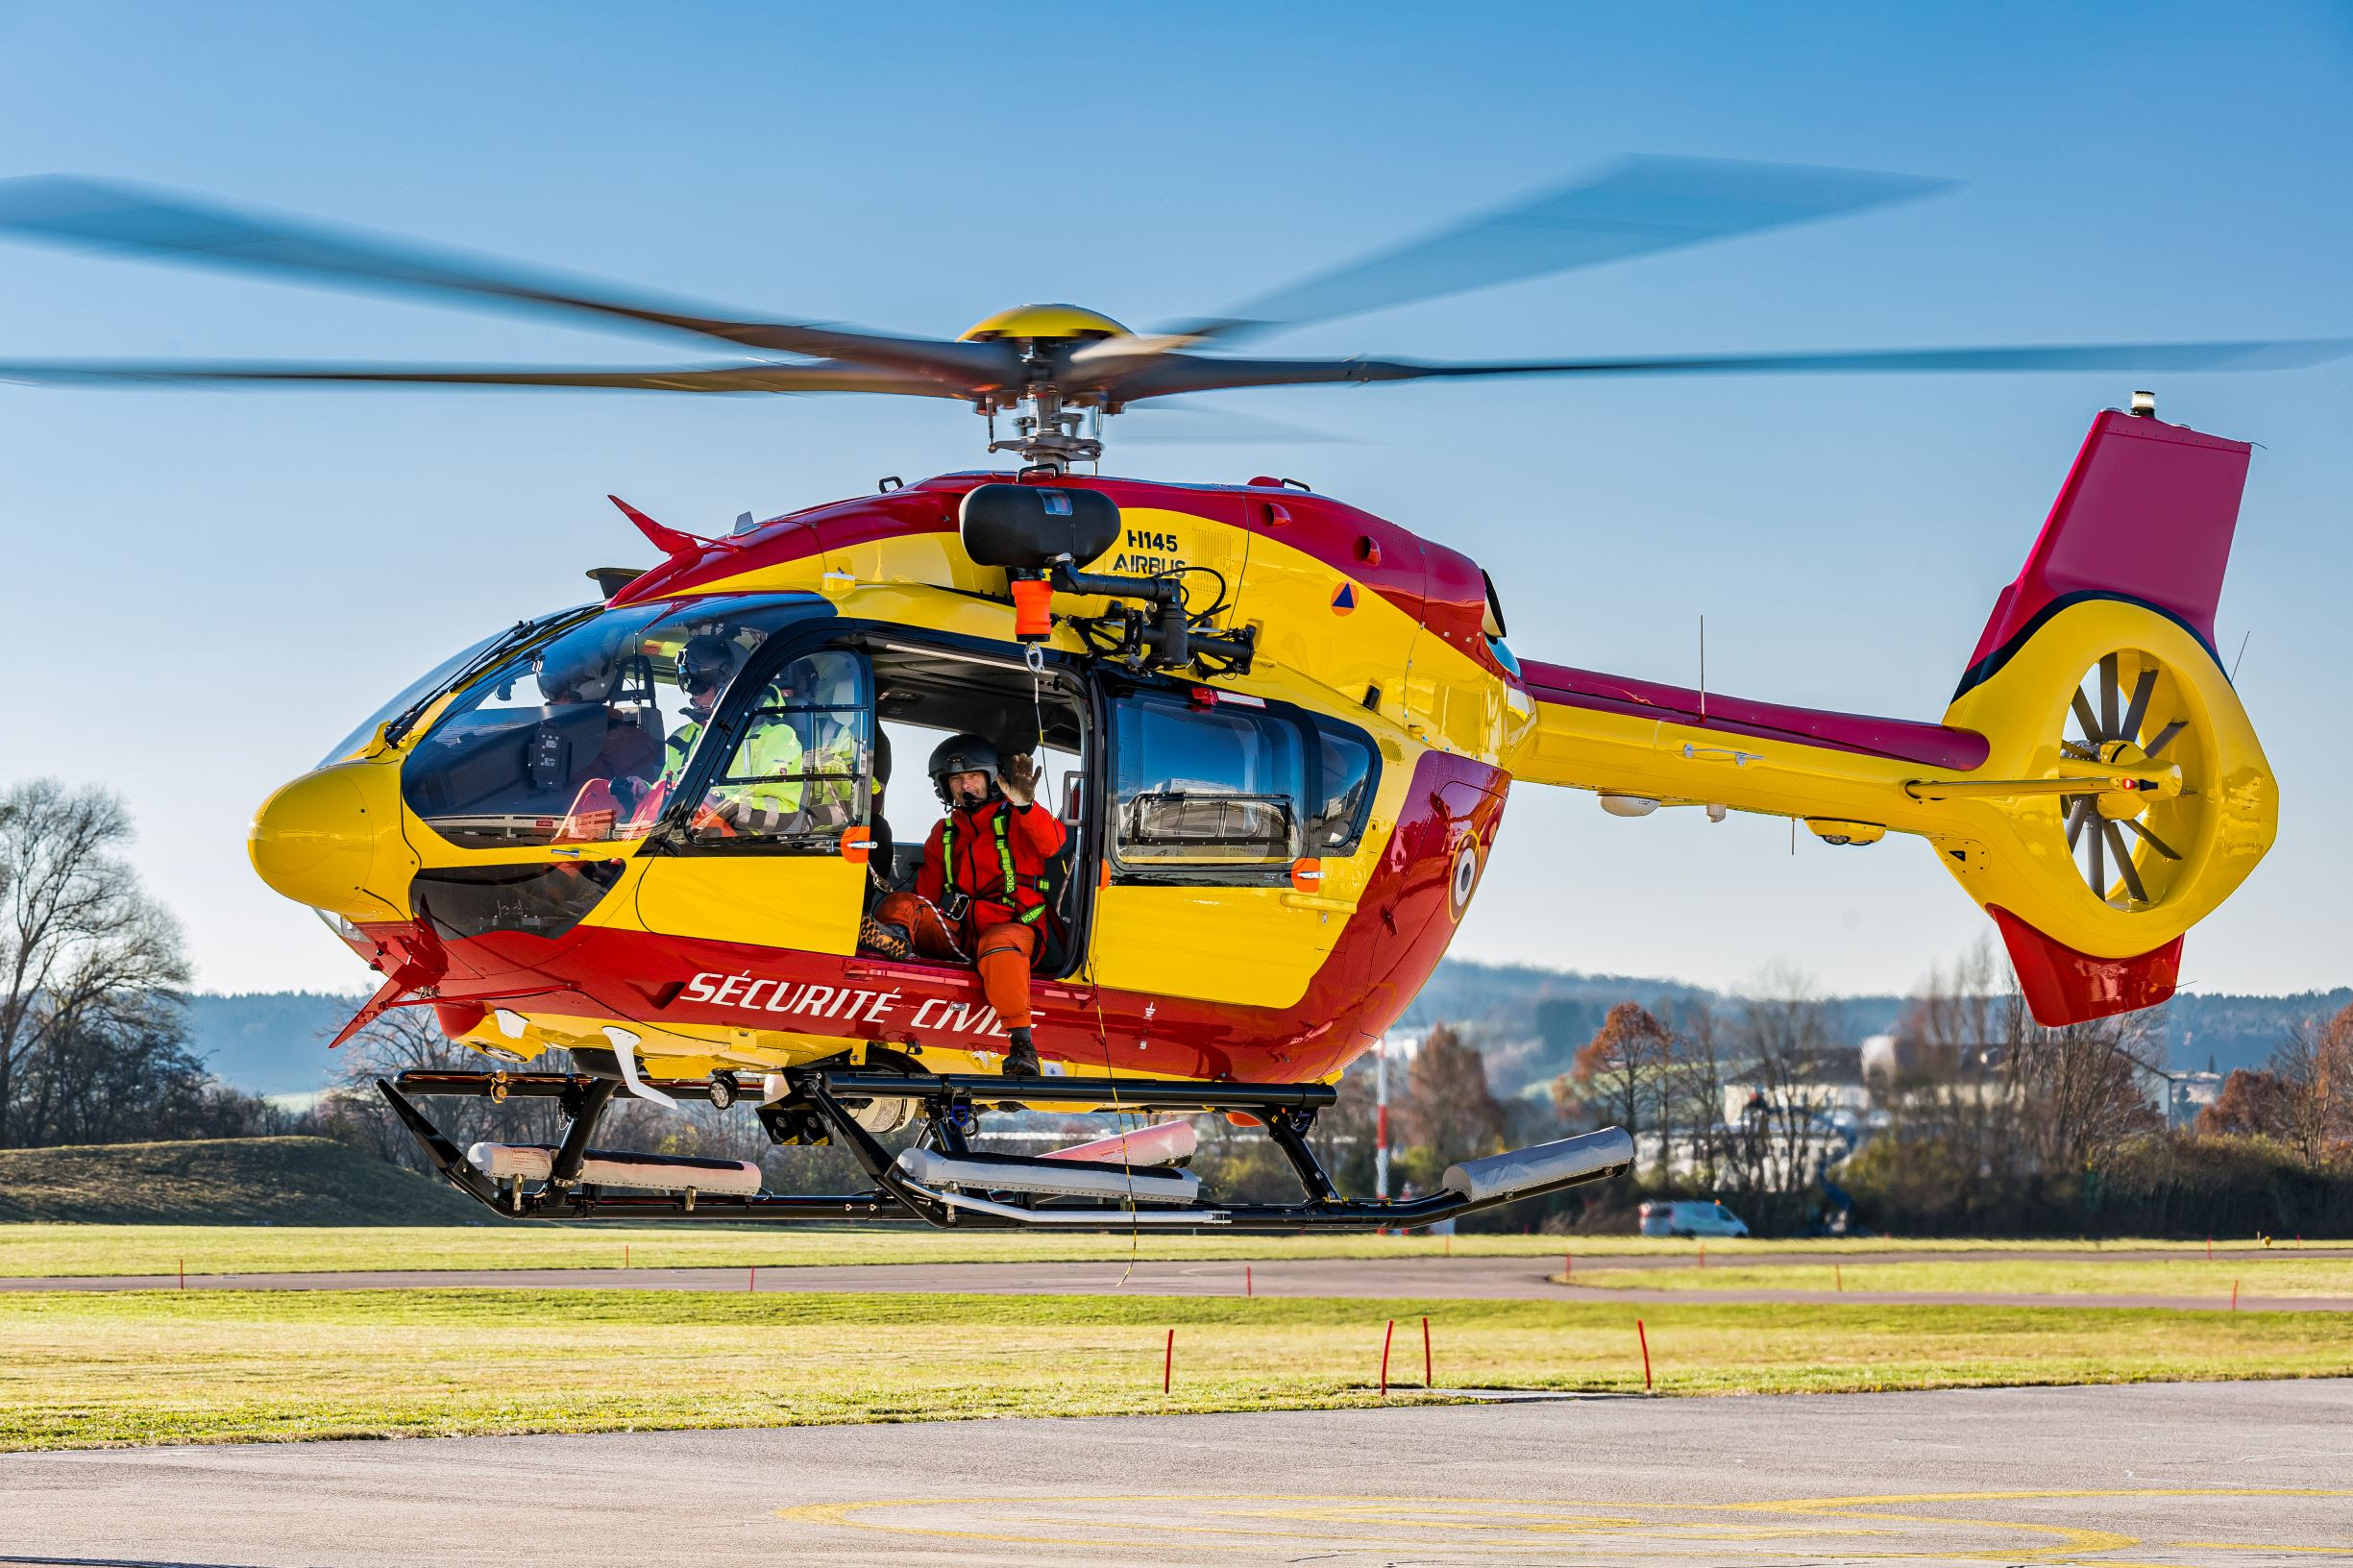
pixel 1018 779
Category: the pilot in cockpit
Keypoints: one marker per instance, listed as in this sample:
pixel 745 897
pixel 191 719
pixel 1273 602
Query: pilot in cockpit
pixel 575 672
pixel 758 789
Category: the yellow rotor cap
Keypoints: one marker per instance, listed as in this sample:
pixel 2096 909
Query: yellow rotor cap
pixel 1060 322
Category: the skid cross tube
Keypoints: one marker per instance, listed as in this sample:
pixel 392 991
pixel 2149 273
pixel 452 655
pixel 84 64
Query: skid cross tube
pixel 1288 1110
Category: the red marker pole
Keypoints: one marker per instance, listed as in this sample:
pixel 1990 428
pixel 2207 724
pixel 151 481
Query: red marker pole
pixel 1385 1358
pixel 625 1254
pixel 1568 1266
pixel 2234 1295
pixel 1643 1334
pixel 1249 1288
pixel 753 1283
pixel 2210 1249
pixel 1426 1382
pixel 1702 1254
pixel 184 1273
pixel 1167 1366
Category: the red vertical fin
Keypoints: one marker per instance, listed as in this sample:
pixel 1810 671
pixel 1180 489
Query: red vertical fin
pixel 2146 514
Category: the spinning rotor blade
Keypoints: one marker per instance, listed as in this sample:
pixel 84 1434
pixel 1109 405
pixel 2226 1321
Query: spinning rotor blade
pixel 1197 373
pixel 95 215
pixel 1638 206
pixel 821 376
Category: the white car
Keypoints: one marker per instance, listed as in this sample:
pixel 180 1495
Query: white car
pixel 1687 1217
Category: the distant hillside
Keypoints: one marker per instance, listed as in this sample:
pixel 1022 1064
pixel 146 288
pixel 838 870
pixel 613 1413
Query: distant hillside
pixel 222 1181
pixel 268 1042
pixel 1530 1021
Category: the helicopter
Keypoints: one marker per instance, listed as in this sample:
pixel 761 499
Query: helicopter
pixel 1279 730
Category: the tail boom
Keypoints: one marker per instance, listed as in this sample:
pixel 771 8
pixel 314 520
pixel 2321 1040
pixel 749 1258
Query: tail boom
pixel 2166 781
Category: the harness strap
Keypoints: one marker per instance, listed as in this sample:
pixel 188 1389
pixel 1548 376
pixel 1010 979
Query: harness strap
pixel 1015 881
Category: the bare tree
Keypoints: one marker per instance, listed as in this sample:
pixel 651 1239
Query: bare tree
pixel 1619 1071
pixel 412 1038
pixel 1450 1111
pixel 85 956
pixel 2313 1068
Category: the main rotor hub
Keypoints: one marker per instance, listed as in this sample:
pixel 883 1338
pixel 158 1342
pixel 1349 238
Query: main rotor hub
pixel 1043 324
pixel 1046 430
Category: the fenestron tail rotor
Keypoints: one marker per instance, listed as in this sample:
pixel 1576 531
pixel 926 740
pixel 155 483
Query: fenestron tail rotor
pixel 2113 710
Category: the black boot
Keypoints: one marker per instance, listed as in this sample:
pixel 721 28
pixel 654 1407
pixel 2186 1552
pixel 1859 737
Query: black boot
pixel 1021 1060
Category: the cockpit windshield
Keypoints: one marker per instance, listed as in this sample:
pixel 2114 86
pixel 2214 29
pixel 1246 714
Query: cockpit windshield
pixel 431 684
pixel 581 738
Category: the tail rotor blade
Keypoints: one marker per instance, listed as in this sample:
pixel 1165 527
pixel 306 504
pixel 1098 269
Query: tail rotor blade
pixel 2107 697
pixel 2098 874
pixel 2083 716
pixel 2134 715
pixel 2124 862
pixel 2078 813
pixel 2165 736
pixel 2153 840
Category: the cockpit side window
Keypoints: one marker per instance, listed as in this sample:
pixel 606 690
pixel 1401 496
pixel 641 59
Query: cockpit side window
pixel 1207 792
pixel 800 771
pixel 1348 775
pixel 583 738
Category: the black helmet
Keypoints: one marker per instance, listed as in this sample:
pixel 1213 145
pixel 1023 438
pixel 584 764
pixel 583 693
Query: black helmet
pixel 961 754
pixel 707 663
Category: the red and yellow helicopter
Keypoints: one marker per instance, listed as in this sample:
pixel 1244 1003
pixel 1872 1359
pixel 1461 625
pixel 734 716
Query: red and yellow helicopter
pixel 1280 730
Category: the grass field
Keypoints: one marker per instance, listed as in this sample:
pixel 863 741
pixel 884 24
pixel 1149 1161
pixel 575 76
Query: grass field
pixel 81 1370
pixel 2274 1273
pixel 250 1180
pixel 51 1250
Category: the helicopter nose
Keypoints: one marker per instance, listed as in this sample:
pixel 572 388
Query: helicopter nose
pixel 331 840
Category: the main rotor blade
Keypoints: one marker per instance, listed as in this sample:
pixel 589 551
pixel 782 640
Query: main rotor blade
pixel 126 220
pixel 1638 206
pixel 1201 373
pixel 821 376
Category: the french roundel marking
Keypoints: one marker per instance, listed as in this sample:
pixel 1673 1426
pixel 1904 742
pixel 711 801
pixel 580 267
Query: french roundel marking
pixel 1465 874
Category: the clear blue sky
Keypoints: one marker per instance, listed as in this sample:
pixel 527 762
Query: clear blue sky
pixel 204 591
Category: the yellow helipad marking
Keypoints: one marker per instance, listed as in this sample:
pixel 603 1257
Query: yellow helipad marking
pixel 1238 1522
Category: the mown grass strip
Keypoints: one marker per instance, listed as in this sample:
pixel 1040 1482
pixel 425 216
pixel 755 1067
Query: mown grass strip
pixel 82 1370
pixel 2262 1274
pixel 40 1250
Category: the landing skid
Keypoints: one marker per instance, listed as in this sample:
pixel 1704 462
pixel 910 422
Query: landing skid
pixel 942 1181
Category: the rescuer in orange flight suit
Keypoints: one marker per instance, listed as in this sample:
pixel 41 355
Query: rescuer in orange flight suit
pixel 982 865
